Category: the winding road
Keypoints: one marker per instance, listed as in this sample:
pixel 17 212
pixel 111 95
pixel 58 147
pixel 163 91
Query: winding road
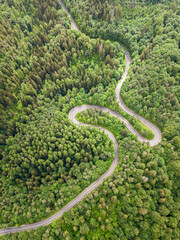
pixel 157 138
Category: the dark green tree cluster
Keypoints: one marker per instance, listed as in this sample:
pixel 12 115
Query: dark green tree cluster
pixel 75 60
pixel 26 29
pixel 39 51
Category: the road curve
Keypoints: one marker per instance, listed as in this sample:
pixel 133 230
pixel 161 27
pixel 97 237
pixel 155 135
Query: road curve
pixel 76 200
pixel 72 114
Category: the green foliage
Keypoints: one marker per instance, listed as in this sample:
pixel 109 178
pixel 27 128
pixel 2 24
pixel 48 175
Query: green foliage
pixel 46 70
pixel 113 124
pixel 151 33
pixel 125 205
pixel 47 164
pixel 27 28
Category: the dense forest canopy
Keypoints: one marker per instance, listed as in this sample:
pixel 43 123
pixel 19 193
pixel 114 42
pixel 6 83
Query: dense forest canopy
pixel 151 33
pixel 45 160
pixel 44 152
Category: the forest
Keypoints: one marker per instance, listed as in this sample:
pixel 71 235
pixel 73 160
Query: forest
pixel 46 160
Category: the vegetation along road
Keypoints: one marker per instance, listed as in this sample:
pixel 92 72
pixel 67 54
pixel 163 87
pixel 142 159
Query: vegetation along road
pixel 72 114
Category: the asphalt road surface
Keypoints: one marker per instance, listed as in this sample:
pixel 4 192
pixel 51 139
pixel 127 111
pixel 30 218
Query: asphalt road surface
pixel 72 114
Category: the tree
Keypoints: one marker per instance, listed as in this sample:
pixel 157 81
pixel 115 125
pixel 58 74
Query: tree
pixel 119 11
pixel 84 229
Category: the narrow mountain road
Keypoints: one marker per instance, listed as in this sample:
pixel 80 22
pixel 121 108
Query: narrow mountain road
pixel 72 114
